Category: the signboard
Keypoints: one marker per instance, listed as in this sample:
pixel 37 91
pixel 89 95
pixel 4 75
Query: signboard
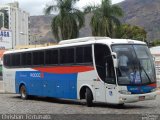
pixel 5 39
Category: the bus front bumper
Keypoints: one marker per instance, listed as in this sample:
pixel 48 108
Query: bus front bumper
pixel 137 97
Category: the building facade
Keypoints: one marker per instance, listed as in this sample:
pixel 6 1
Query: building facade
pixel 16 21
pixel 156 54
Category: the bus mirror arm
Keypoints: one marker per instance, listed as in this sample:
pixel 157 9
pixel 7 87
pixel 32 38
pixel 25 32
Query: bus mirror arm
pixel 114 55
pixel 154 59
pixel 115 61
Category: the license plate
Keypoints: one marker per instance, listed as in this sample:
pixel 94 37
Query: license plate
pixel 141 98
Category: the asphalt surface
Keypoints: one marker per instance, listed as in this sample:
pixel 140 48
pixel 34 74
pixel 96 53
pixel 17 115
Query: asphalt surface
pixel 13 104
pixel 13 107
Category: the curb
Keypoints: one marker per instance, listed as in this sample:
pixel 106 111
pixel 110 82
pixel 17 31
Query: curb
pixel 158 92
pixel 2 91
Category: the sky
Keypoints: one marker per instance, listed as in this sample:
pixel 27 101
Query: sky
pixel 36 7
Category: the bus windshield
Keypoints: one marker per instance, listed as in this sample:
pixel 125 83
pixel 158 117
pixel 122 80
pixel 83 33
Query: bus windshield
pixel 135 65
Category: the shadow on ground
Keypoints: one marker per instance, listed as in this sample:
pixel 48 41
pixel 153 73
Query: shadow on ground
pixel 83 103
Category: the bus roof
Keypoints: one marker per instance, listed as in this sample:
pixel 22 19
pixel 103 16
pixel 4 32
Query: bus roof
pixel 82 41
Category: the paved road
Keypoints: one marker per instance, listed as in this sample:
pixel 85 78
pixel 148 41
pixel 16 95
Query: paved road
pixel 12 103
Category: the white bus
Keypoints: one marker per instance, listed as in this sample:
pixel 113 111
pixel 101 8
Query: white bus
pixel 98 69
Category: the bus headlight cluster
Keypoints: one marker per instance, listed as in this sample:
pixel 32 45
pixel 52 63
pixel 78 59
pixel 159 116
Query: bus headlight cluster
pixel 153 90
pixel 125 92
pixel 122 99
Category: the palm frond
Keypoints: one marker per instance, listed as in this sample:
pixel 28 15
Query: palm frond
pixel 69 20
pixel 55 27
pixel 117 11
pixel 50 8
pixel 79 16
pixel 115 20
pixel 105 18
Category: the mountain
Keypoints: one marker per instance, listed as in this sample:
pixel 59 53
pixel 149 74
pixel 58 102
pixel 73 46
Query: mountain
pixel 40 27
pixel 144 13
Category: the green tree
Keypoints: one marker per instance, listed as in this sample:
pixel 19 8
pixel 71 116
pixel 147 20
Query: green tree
pixel 156 43
pixel 69 20
pixel 127 31
pixel 105 18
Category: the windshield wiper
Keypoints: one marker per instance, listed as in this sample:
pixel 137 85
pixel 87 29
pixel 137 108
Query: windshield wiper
pixel 145 72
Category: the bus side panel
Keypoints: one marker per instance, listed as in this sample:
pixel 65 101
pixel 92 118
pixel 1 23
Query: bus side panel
pixel 48 84
pixel 9 80
pixel 60 85
pixel 86 79
pixel 32 81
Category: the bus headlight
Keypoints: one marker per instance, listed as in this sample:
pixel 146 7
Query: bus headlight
pixel 153 90
pixel 124 92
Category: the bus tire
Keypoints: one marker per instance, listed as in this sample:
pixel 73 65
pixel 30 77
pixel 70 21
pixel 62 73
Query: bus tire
pixel 121 105
pixel 23 92
pixel 89 97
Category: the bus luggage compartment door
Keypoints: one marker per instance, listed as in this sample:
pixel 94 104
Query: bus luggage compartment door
pixel 111 93
pixel 99 88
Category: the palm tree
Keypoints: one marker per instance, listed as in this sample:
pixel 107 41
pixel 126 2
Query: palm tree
pixel 105 18
pixel 69 20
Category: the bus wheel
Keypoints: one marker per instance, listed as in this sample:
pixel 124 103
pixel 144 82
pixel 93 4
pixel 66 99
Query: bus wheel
pixel 23 92
pixel 121 105
pixel 89 97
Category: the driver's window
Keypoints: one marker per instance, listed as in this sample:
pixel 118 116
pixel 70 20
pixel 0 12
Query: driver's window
pixel 104 63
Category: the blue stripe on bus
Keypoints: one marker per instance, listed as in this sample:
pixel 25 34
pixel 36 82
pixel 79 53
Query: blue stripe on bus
pixel 140 89
pixel 48 84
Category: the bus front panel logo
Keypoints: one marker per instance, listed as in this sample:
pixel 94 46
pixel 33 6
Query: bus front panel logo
pixel 37 75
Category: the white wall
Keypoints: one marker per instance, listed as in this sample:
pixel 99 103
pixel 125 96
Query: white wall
pixel 18 24
pixel 155 51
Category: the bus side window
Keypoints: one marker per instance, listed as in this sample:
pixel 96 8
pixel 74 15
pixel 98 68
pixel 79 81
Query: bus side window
pixel 29 59
pixel 51 56
pixel 84 54
pixel 15 59
pixel 110 74
pixel 87 54
pixel 23 59
pixel 71 55
pixel 67 56
pixel 79 55
pixel 26 59
pixel 7 60
pixel 38 57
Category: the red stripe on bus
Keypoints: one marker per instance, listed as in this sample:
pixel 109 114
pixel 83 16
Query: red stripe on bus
pixel 64 70
pixel 153 85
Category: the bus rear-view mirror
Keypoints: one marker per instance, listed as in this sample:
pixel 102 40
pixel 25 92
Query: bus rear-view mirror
pixel 115 61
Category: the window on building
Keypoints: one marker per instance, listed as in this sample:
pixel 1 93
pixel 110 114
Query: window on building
pixel 4 18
